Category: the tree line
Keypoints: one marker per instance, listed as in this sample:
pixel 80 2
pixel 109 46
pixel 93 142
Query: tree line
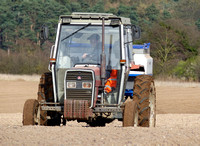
pixel 171 26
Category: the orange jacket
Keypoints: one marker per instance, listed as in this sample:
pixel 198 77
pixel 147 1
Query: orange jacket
pixel 111 82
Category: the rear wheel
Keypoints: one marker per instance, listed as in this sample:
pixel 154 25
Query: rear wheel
pixel 45 94
pixel 130 114
pixel 30 112
pixel 145 96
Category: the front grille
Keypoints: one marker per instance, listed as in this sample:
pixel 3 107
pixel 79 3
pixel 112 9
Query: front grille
pixel 79 94
pixel 72 75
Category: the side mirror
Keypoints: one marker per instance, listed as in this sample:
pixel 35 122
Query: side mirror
pixel 136 32
pixel 44 32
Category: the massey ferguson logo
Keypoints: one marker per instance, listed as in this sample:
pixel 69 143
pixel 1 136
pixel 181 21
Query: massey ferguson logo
pixel 78 77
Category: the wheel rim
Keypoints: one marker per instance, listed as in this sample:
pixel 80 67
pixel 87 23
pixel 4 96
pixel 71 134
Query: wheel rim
pixel 35 115
pixel 152 103
pixel 136 119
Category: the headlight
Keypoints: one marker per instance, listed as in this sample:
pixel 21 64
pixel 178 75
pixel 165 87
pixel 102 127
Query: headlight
pixel 71 84
pixel 87 85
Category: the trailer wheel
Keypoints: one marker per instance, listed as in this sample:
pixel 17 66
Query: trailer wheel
pixel 30 112
pixel 130 114
pixel 145 96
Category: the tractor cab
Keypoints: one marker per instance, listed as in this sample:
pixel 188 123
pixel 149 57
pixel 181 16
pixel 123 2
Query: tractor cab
pixel 88 48
pixel 82 52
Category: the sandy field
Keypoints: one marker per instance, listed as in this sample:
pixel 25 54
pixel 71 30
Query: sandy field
pixel 178 119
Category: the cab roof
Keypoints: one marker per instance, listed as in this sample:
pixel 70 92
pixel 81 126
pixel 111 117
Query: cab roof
pixel 94 17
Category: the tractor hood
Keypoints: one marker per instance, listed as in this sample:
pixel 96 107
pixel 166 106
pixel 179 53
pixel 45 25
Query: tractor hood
pixel 94 68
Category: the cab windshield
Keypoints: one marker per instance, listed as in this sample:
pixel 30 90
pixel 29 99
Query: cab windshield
pixel 84 46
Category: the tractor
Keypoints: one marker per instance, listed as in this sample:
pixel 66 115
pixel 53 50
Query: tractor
pixel 90 79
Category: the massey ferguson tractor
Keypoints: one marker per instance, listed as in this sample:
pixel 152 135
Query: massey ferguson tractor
pixel 92 73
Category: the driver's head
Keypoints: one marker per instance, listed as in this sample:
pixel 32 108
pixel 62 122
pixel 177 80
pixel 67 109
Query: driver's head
pixel 94 39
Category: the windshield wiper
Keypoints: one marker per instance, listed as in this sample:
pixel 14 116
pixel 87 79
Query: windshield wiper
pixel 76 31
pixel 128 42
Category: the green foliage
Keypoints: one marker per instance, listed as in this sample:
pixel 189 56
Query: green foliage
pixel 99 7
pixel 166 14
pixel 186 70
pixel 189 49
pixel 170 44
pixel 152 12
pixel 26 62
pixel 128 11
pixel 187 10
pixel 112 10
pixel 168 25
pixel 84 5
pixel 164 47
pixel 75 7
pixel 7 26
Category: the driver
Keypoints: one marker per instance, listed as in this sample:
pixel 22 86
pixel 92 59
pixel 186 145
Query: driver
pixel 95 48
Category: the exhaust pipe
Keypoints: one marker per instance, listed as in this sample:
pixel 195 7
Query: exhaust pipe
pixel 103 61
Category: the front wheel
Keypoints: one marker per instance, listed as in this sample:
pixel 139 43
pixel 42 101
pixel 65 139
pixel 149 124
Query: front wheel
pixel 30 112
pixel 145 96
pixel 130 114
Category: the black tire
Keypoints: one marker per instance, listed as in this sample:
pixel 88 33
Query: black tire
pixel 145 96
pixel 129 114
pixel 30 112
pixel 45 90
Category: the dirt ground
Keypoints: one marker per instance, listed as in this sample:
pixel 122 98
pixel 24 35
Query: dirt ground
pixel 178 119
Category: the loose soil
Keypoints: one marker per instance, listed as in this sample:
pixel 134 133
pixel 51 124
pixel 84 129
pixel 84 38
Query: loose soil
pixel 178 119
